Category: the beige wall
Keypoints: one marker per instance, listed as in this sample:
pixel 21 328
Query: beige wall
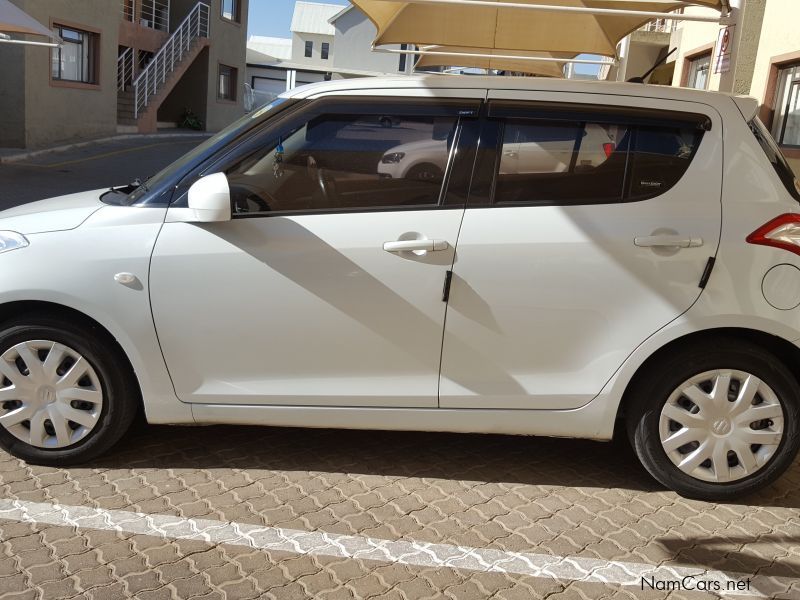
pixel 228 46
pixel 54 113
pixel 688 38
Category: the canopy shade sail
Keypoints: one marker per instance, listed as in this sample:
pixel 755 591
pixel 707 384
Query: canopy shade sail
pixel 477 24
pixel 16 20
pixel 442 56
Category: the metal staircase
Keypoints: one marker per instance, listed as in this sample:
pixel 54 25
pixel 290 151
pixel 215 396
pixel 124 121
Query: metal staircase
pixel 138 98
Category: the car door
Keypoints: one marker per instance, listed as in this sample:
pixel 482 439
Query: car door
pixel 560 275
pixel 325 288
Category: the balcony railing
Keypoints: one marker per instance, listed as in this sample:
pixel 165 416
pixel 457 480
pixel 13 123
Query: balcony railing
pixel 663 25
pixel 148 13
pixel 148 82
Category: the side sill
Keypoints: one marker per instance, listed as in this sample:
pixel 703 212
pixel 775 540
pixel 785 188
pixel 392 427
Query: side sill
pixel 588 422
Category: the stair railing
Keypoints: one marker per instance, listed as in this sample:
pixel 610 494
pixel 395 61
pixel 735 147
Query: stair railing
pixel 147 83
pixel 125 69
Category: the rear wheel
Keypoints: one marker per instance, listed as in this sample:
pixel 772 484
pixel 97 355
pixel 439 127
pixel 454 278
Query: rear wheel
pixel 716 422
pixel 66 395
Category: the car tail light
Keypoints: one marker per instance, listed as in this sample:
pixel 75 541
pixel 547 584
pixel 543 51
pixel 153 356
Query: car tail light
pixel 609 148
pixel 781 232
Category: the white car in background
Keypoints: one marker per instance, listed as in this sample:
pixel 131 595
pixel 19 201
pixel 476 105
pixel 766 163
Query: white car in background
pixel 636 266
pixel 427 159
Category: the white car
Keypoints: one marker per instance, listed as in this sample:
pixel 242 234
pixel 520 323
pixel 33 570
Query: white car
pixel 274 276
pixel 427 158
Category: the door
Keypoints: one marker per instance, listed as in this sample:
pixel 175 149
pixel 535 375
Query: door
pixel 561 273
pixel 326 286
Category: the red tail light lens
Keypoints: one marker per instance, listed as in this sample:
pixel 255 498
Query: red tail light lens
pixel 781 232
pixel 609 148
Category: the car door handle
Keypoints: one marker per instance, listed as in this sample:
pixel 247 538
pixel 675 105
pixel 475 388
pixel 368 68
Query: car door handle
pixel 667 241
pixel 412 245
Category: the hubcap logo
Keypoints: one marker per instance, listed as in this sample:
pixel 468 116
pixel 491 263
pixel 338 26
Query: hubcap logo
pixel 721 426
pixel 47 395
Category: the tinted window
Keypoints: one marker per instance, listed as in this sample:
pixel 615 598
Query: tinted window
pixel 563 162
pixel 346 162
pixel 659 158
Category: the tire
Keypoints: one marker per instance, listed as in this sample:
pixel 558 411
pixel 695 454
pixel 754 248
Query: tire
pixel 425 172
pixel 666 382
pixel 106 417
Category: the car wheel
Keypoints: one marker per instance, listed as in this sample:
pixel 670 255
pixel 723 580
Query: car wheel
pixel 716 422
pixel 425 172
pixel 66 395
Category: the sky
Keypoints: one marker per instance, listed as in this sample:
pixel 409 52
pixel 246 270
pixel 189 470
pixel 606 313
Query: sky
pixel 273 17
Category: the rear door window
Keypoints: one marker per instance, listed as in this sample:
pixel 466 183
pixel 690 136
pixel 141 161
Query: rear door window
pixel 558 161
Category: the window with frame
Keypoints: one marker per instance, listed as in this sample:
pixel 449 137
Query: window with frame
pixel 346 162
pixel 230 10
pixel 403 58
pixel 76 59
pixel 786 123
pixel 575 162
pixel 699 69
pixel 309 51
pixel 325 51
pixel 227 83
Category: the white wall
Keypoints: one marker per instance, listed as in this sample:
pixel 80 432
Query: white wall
pixel 354 36
pixel 299 48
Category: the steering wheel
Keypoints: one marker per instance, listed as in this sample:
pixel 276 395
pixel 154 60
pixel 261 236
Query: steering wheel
pixel 318 174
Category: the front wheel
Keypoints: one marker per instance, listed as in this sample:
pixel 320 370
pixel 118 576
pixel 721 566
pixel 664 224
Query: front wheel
pixel 716 422
pixel 66 395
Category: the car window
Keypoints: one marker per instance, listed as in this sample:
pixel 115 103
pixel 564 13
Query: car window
pixel 563 162
pixel 346 162
pixel 659 158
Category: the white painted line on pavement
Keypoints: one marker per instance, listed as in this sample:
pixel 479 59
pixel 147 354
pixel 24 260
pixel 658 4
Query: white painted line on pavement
pixel 420 554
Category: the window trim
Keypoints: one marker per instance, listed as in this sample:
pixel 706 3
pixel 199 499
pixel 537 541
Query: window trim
pixel 462 109
pixel 499 110
pixel 237 12
pixel 693 55
pixel 234 84
pixel 768 112
pixel 95 58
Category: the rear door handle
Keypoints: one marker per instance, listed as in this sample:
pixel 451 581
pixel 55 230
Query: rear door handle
pixel 412 245
pixel 667 241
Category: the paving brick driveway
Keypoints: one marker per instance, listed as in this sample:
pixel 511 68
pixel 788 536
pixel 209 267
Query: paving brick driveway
pixel 346 514
pixel 556 498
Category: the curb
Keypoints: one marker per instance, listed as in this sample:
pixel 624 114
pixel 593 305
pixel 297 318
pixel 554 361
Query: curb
pixel 12 158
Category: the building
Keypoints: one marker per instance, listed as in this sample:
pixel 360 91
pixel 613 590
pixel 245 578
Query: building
pixel 124 65
pixel 328 42
pixel 767 65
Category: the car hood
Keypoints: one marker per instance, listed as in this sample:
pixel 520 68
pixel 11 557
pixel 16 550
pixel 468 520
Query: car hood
pixel 54 214
pixel 420 146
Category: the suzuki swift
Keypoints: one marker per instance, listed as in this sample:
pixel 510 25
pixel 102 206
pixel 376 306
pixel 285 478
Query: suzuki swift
pixel 583 254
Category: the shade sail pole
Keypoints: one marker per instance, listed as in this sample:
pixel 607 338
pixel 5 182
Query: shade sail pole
pixel 26 43
pixel 609 12
pixel 575 61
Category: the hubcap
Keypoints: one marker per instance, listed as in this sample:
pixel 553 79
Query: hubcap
pixel 721 426
pixel 50 396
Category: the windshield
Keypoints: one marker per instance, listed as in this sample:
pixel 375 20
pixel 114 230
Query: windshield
pixel 135 193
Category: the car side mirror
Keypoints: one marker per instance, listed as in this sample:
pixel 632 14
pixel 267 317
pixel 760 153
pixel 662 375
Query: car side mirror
pixel 210 199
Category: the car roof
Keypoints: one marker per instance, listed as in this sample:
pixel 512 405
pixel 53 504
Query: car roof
pixel 473 82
